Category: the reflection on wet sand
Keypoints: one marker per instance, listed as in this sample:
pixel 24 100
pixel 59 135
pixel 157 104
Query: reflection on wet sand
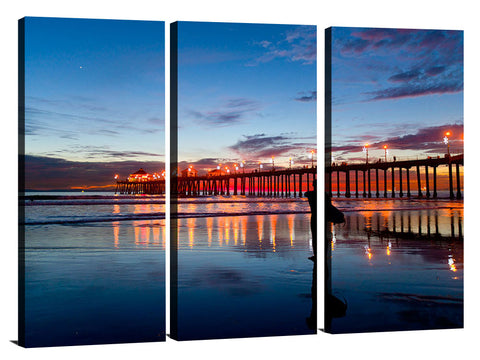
pixel 245 276
pixel 145 233
pixel 405 263
pixel 249 232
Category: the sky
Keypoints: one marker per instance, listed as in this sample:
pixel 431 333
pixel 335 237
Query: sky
pixel 396 87
pixel 94 101
pixel 246 92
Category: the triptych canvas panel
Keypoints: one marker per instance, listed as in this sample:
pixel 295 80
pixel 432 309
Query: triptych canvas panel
pixel 394 167
pixel 241 180
pixel 244 97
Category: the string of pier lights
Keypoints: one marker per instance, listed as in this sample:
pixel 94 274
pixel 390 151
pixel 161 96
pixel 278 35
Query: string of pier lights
pixel 272 161
pixel 385 147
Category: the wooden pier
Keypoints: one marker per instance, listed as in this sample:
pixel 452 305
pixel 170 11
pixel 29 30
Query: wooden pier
pixel 274 183
pixel 153 187
pixel 399 168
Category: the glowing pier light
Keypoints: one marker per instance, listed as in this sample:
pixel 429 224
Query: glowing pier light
pixel 446 142
pixel 365 150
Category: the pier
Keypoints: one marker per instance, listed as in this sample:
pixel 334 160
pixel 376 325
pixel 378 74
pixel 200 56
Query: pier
pixel 273 183
pixel 397 174
pixel 154 187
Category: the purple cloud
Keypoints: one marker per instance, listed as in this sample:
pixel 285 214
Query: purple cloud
pixel 262 146
pixel 44 173
pixel 428 140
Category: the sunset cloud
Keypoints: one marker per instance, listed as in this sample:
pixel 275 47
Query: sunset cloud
pixel 262 146
pixel 44 173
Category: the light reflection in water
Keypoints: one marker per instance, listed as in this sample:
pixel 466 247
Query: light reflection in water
pixel 227 230
pixel 191 231
pixel 220 222
pixel 235 223
pixel 260 227
pixel 265 232
pixel 209 230
pixel 145 233
pixel 244 221
pixel 423 250
pixel 116 231
pixel 273 230
pixel 334 237
pixel 291 227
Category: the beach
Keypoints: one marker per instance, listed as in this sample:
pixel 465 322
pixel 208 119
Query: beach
pixel 244 276
pixel 95 268
pixel 398 265
pixel 91 280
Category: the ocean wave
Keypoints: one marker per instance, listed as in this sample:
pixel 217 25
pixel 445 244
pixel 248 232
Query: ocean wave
pixel 152 216
pixel 60 200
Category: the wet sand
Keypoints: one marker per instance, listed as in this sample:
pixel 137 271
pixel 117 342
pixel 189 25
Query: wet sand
pixel 95 283
pixel 398 270
pixel 244 276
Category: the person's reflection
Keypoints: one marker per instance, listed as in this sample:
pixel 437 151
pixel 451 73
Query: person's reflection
pixel 333 306
pixel 312 319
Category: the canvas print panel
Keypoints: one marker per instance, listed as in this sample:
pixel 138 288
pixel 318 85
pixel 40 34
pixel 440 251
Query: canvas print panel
pixel 394 173
pixel 92 225
pixel 244 158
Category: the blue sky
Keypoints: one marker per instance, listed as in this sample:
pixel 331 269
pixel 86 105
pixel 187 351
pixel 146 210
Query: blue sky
pixel 94 99
pixel 246 92
pixel 399 87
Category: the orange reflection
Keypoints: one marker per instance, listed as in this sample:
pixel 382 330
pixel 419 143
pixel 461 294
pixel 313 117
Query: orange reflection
pixel 273 230
pixel 220 222
pixel 164 235
pixel 116 231
pixel 137 232
pixel 291 227
pixel 243 231
pixel 389 248
pixel 227 230
pixel 209 230
pixel 260 227
pixel 156 234
pixel 368 252
pixel 191 231
pixel 451 263
pixel 235 223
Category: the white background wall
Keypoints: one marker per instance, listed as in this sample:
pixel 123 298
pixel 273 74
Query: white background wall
pixel 459 15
